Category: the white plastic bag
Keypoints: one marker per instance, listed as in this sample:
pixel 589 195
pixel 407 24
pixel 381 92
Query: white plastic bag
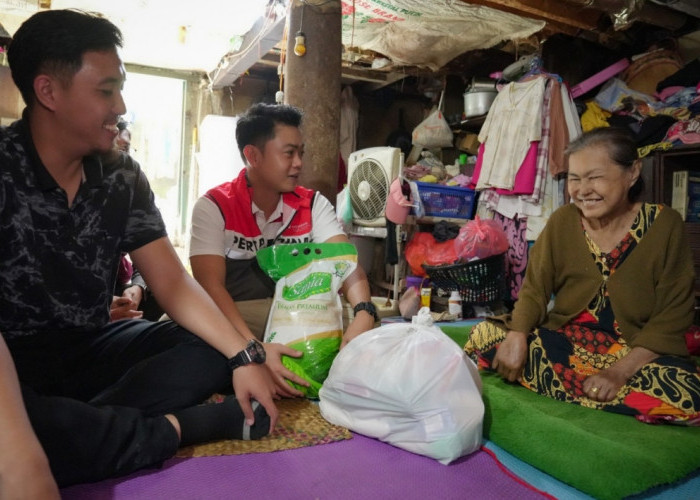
pixel 409 385
pixel 434 131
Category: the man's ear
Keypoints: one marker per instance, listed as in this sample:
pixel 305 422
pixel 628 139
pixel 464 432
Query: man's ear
pixel 45 90
pixel 252 154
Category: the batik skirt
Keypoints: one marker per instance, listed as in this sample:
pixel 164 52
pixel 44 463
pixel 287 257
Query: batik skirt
pixel 664 390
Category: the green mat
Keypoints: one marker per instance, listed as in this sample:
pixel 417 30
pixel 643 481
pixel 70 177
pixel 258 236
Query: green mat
pixel 603 454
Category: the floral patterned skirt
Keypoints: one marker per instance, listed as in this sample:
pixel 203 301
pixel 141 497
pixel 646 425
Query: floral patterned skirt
pixel 665 390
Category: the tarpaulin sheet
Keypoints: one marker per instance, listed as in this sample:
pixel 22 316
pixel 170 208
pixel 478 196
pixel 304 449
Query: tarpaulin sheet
pixel 428 34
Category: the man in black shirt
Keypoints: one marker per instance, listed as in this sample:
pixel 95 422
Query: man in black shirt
pixel 103 399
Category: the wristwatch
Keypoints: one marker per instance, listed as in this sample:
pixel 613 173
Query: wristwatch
pixel 254 352
pixel 369 307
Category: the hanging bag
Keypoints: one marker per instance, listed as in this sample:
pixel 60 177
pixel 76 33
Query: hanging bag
pixel 434 131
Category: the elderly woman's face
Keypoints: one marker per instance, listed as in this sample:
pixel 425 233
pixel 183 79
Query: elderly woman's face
pixel 597 185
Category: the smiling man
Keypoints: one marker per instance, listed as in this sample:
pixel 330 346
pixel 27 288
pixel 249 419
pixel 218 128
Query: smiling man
pixel 83 398
pixel 265 206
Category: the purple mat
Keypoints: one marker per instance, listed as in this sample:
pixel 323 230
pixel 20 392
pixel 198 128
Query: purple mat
pixel 357 468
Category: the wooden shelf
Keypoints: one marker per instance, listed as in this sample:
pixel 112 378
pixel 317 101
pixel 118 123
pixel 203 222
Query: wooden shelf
pixel 660 175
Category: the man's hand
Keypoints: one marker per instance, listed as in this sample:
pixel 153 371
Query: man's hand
pixel 280 374
pixel 123 308
pixel 511 356
pixel 253 381
pixel 362 322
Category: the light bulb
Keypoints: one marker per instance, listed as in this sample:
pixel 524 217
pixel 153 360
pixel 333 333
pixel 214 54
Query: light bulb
pixel 300 43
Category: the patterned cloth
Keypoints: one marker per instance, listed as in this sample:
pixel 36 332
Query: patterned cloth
pixel 665 390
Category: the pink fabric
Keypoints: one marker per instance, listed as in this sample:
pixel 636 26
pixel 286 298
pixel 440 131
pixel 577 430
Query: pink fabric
pixel 525 177
pixel 125 271
pixel 686 131
pixel 668 92
pixel 477 167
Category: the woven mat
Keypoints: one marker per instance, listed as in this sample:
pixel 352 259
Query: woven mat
pixel 300 424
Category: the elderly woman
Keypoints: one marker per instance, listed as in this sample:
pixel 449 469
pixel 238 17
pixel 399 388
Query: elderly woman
pixel 601 317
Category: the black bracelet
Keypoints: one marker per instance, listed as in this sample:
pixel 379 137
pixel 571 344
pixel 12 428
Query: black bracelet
pixel 367 306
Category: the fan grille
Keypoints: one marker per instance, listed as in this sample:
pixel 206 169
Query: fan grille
pixel 369 189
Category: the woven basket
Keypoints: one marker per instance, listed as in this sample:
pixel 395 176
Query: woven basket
pixel 478 282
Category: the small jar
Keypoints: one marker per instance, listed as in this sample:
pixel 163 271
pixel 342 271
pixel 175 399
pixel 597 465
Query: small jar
pixel 454 304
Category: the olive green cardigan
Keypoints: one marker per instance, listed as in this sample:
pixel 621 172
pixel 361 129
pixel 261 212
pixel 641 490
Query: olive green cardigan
pixel 651 293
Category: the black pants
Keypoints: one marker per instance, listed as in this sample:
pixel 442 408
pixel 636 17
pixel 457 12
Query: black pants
pixel 96 401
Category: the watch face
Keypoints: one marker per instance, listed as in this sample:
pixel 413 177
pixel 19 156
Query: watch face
pixel 256 351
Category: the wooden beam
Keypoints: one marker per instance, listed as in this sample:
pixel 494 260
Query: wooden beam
pixel 567 16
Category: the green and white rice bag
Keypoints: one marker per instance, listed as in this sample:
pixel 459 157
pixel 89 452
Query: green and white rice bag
pixel 306 312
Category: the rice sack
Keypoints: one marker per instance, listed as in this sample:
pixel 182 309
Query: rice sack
pixel 306 312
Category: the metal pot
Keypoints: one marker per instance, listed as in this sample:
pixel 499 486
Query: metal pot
pixel 479 83
pixel 477 103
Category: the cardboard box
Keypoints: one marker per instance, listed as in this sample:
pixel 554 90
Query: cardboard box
pixel 469 143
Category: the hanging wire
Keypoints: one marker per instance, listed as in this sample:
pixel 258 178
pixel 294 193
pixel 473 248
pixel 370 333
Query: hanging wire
pixel 301 20
pixel 352 32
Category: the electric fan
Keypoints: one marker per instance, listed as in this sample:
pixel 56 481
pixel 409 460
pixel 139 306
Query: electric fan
pixel 370 173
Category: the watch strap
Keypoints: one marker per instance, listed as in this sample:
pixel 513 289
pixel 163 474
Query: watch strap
pixel 252 353
pixel 240 359
pixel 367 306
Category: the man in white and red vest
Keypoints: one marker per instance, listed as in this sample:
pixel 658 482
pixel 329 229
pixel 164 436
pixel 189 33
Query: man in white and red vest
pixel 265 206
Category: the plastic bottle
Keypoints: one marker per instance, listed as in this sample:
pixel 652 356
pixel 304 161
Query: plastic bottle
pixel 454 304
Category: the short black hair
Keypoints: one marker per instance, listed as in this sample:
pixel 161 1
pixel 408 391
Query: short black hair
pixel 54 41
pixel 257 125
pixel 620 144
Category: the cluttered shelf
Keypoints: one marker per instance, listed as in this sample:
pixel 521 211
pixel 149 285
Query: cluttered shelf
pixel 662 172
pixel 472 124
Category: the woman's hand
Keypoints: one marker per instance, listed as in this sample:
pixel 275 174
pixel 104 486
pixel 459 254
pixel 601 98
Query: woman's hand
pixel 135 293
pixel 280 374
pixel 511 356
pixel 604 385
pixel 123 308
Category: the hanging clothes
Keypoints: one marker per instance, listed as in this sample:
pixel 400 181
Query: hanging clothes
pixel 558 131
pixel 512 123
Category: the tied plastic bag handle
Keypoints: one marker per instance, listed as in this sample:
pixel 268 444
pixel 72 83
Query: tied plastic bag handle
pixel 441 101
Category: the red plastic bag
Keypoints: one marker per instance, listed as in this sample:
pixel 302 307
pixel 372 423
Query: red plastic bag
pixel 424 249
pixel 479 239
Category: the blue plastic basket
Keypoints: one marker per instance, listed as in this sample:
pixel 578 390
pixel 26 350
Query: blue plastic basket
pixel 447 201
